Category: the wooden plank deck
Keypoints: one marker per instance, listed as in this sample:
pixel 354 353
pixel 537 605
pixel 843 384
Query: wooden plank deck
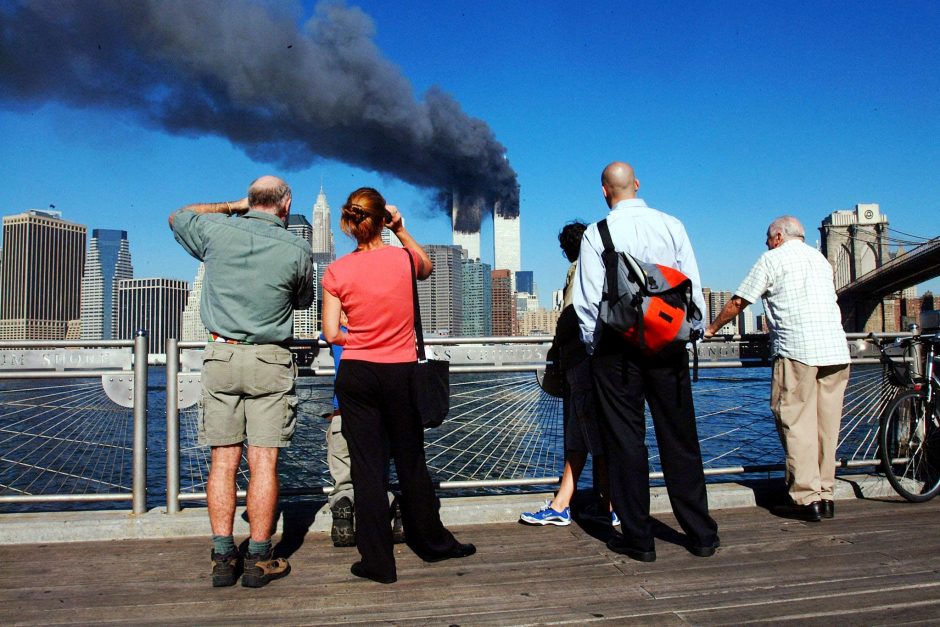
pixel 877 562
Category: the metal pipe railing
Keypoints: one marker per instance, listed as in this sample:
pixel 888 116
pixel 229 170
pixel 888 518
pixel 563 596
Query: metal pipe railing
pixel 172 428
pixel 139 480
pixel 56 374
pixel 5 344
pixel 544 481
pixel 65 498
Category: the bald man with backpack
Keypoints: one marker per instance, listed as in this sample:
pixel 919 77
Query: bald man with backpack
pixel 630 369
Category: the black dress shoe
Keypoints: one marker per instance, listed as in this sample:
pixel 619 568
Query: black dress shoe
pixel 705 550
pixel 360 571
pixel 618 544
pixel 828 508
pixel 456 551
pixel 809 513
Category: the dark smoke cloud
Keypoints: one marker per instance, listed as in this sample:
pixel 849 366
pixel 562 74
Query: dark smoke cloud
pixel 244 71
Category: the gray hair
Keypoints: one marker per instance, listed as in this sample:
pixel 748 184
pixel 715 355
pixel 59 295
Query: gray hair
pixel 787 226
pixel 268 191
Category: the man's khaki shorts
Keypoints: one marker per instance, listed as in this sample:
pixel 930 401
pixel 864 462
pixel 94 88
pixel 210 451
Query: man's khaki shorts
pixel 247 393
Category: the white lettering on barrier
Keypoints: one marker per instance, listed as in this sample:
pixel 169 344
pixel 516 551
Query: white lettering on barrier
pixel 65 359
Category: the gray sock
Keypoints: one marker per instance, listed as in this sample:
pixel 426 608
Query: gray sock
pixel 259 548
pixel 223 544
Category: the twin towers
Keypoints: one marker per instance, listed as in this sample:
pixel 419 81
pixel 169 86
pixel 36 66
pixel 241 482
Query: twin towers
pixel 507 247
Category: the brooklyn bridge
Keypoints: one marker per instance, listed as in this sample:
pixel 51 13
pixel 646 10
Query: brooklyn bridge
pixel 868 274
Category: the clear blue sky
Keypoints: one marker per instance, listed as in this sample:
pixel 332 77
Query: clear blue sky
pixel 731 112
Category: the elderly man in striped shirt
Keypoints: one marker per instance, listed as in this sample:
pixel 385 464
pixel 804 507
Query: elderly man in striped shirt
pixel 811 362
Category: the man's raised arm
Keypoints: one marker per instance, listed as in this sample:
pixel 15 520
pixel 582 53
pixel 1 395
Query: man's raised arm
pixel 228 208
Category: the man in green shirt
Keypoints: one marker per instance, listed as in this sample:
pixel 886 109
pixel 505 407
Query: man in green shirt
pixel 257 274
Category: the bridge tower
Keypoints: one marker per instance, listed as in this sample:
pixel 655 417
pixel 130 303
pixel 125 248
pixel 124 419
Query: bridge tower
pixel 854 241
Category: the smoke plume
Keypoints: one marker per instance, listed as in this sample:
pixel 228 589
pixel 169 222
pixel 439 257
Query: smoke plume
pixel 285 94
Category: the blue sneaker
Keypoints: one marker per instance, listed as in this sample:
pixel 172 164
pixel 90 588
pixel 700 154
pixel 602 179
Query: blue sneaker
pixel 614 519
pixel 547 516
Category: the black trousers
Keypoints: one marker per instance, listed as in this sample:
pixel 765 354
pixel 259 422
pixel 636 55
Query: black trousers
pixel 624 378
pixel 378 420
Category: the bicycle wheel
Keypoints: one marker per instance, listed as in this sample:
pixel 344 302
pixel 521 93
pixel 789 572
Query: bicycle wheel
pixel 910 447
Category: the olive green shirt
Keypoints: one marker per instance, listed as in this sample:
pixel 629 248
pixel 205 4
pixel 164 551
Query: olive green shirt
pixel 257 273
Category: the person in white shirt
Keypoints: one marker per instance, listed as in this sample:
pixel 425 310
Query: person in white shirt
pixel 811 362
pixel 625 379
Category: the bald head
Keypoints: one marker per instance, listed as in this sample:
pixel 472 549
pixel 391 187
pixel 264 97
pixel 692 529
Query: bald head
pixel 783 229
pixel 271 194
pixel 619 182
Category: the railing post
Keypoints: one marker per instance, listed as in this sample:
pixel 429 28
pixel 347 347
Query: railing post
pixel 139 485
pixel 172 427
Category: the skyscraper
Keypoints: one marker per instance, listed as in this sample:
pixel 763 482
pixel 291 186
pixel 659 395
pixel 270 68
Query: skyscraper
pixel 108 263
pixel 747 322
pixel 525 302
pixel 469 241
pixel 716 302
pixel 477 299
pixel 389 238
pixel 525 282
pixel 507 254
pixel 298 225
pixel 322 239
pixel 440 294
pixel 707 296
pixel 305 320
pixel 153 304
pixel 193 328
pixel 538 322
pixel 42 266
pixel 321 261
pixel 504 306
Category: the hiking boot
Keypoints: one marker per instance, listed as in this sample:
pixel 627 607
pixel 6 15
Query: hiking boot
pixel 226 569
pixel 260 570
pixel 343 533
pixel 398 532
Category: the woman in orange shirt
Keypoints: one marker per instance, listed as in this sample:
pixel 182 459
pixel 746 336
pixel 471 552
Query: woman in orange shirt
pixel 373 285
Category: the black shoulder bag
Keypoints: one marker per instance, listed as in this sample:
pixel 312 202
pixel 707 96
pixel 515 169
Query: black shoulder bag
pixel 431 387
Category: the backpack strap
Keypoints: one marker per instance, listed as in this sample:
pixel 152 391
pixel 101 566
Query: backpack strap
pixel 611 265
pixel 610 261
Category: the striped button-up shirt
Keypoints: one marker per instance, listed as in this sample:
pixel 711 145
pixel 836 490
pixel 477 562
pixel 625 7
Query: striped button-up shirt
pixel 795 282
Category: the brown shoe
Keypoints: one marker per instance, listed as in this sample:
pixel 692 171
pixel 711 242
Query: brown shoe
pixel 260 570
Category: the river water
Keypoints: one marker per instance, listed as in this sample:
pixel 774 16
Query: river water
pixel 65 437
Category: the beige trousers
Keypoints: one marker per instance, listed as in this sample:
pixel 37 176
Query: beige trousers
pixel 807 404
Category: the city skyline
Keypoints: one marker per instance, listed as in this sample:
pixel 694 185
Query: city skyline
pixel 453 300
pixel 732 114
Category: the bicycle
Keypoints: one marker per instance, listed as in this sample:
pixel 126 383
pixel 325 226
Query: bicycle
pixel 909 430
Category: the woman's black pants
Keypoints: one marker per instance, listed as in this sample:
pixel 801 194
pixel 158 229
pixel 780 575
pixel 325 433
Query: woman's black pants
pixel 378 416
